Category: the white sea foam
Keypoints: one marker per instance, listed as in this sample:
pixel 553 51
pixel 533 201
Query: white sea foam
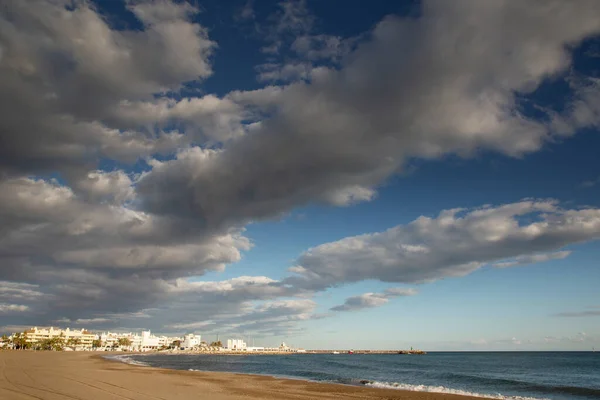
pixel 124 358
pixel 442 389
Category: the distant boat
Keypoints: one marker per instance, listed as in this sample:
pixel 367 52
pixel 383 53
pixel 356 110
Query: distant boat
pixel 336 352
pixel 350 351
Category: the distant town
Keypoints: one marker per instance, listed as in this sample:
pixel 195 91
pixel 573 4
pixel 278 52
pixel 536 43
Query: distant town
pixel 83 340
pixel 58 339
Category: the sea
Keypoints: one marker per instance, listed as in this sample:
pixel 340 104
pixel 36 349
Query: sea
pixel 497 375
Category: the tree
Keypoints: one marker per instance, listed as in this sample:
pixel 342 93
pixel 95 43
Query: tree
pixel 176 343
pixel 216 344
pixel 5 341
pixel 124 342
pixel 96 343
pixel 73 342
pixel 52 344
pixel 45 344
pixel 19 341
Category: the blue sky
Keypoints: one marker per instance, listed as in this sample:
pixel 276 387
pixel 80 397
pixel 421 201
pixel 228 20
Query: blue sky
pixel 399 174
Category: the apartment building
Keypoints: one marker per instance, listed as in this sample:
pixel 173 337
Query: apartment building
pixel 85 337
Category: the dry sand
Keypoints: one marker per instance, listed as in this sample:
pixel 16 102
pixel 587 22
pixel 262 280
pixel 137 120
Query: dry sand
pixel 78 375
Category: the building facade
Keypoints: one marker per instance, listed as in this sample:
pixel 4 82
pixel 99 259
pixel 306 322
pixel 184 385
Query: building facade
pixel 144 342
pixel 236 344
pixel 190 341
pixel 84 338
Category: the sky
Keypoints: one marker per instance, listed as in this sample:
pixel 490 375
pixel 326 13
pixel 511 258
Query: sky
pixel 334 175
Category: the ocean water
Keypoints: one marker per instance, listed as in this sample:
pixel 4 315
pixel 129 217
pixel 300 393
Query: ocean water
pixel 501 375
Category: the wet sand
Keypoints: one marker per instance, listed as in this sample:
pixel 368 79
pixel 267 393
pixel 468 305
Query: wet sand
pixel 26 375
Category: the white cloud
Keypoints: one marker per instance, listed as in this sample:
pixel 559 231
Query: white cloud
pixel 455 243
pixel 534 258
pixel 112 187
pixel 12 308
pixel 19 291
pixel 370 300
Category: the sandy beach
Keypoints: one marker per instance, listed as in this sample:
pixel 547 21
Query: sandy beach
pixel 67 375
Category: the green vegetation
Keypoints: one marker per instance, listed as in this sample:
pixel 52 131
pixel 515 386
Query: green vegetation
pixel 19 341
pixel 54 344
pixel 73 343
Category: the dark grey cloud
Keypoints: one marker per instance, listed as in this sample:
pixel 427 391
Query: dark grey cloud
pixel 64 71
pixel 336 138
pixel 370 300
pixel 91 256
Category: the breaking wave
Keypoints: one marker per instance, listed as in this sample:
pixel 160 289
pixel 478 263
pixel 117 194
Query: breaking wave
pixel 124 358
pixel 442 389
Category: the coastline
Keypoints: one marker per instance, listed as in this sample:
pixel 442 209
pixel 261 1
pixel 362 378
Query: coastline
pixel 83 375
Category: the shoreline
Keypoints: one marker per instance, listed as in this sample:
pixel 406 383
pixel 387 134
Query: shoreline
pixel 83 375
pixel 359 383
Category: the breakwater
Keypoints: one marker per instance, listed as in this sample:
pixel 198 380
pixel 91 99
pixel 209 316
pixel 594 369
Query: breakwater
pixel 354 351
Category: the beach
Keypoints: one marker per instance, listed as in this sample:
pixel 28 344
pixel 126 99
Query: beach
pixel 86 375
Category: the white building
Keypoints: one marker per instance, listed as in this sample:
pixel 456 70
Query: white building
pixel 284 347
pixel 111 340
pixel 83 337
pixel 190 341
pixel 236 344
pixel 144 342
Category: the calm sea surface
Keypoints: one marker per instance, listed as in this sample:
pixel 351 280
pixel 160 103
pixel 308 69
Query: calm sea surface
pixel 504 375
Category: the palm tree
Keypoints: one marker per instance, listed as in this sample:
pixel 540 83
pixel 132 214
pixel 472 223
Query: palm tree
pixel 5 341
pixel 57 343
pixel 124 342
pixel 19 341
pixel 96 343
pixel 73 342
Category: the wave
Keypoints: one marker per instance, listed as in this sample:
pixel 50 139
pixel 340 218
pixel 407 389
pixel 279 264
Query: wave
pixel 442 389
pixel 529 386
pixel 127 360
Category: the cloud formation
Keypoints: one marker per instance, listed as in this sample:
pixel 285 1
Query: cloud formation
pixel 64 73
pixel 370 300
pixel 532 259
pixel 455 243
pixel 118 189
pixel 335 138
